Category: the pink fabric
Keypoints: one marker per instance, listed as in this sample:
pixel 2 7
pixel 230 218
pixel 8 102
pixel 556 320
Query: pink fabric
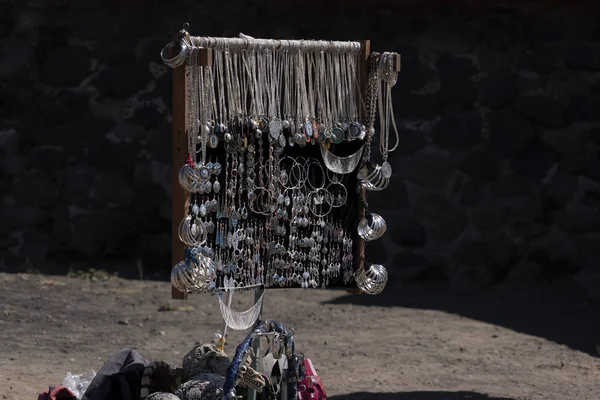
pixel 57 393
pixel 311 387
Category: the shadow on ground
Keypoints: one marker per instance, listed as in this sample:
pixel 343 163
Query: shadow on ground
pixel 558 312
pixel 417 396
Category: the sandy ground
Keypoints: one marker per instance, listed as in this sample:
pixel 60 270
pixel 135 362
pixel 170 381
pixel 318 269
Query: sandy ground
pixel 419 343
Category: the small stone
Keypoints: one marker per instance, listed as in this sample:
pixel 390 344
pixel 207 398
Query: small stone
pixel 510 185
pixel 592 166
pixel 450 226
pixel 35 181
pixel 410 140
pixel 458 95
pixel 51 157
pixel 429 170
pixel 409 267
pixel 36 246
pixel 525 272
pixel 535 161
pixel 542 60
pixel 16 58
pixel 573 139
pixel 392 198
pixel 112 189
pixel 9 142
pixel 529 230
pixel 58 73
pixel 590 281
pixel 458 131
pixel 525 208
pixel 577 221
pixel 584 108
pixel 13 166
pixel 376 252
pixel 124 81
pixel 497 92
pixel 148 115
pixel 162 333
pixel 542 109
pixel 527 82
pixel 480 165
pixel 591 198
pixel 562 187
pixel 416 78
pixel 454 68
pixel 509 132
pixel 408 231
pixel 492 60
pixel 123 322
pixel 583 56
pixel 127 133
pixel 432 205
pixel 93 233
pixel 140 325
pixel 17 218
pixel 471 193
pixel 565 84
pixel 418 107
pixel 490 252
pixel 489 216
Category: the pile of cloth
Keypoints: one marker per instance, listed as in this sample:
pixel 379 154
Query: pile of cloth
pixel 129 376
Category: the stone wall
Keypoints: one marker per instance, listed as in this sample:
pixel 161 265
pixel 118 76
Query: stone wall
pixel 497 176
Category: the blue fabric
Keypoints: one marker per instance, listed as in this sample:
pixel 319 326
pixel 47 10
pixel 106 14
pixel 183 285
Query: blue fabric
pixel 263 327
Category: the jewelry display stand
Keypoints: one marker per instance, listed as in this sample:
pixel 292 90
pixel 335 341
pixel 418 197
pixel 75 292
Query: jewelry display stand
pixel 199 96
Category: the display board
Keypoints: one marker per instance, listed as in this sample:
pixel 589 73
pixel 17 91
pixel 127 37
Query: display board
pixel 272 160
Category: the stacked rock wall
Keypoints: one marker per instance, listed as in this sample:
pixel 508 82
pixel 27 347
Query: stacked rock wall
pixel 497 175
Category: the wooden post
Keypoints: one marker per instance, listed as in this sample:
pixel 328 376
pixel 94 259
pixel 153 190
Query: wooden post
pixel 179 196
pixel 363 79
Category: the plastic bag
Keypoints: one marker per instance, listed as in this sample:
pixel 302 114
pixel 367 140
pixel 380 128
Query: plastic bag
pixel 78 384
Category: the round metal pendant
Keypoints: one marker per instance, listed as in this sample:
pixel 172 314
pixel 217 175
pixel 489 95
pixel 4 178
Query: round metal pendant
pixel 337 135
pixel 282 141
pixel 204 173
pixel 213 141
pixel 354 130
pixel 386 170
pixel 216 187
pixel 263 124
pixel 228 137
pixel 231 147
pixel 308 129
pixel 275 128
pixel 321 138
pixel 217 168
pixel 315 130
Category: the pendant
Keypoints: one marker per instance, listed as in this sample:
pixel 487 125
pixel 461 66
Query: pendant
pixel 354 130
pixel 386 170
pixel 308 130
pixel 213 141
pixel 275 128
pixel 337 135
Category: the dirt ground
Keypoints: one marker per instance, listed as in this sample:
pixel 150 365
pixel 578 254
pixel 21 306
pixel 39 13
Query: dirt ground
pixel 412 343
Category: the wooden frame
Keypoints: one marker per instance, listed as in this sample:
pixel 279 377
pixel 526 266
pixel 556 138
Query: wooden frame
pixel 180 198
